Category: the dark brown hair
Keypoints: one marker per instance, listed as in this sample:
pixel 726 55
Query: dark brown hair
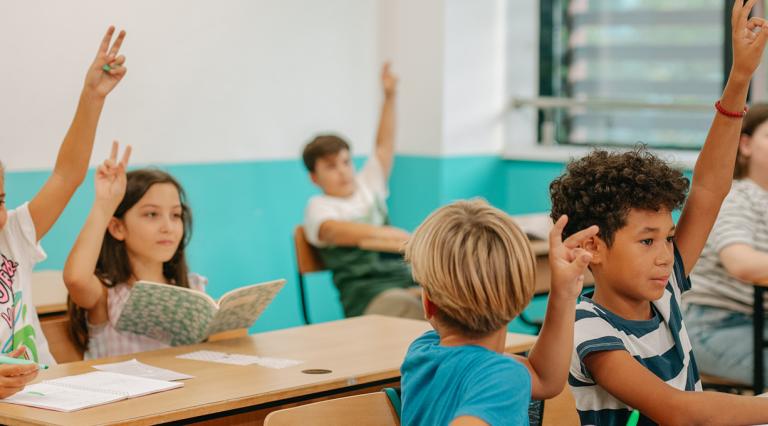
pixel 113 266
pixel 602 187
pixel 321 146
pixel 757 115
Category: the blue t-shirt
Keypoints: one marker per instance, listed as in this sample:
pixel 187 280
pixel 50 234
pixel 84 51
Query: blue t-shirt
pixel 441 383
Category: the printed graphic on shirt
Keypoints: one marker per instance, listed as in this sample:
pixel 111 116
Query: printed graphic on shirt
pixel 15 322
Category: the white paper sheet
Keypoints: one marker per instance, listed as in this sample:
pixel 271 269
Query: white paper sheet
pixel 239 359
pixel 139 369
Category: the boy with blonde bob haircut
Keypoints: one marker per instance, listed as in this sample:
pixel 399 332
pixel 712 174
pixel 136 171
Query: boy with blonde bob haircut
pixel 477 272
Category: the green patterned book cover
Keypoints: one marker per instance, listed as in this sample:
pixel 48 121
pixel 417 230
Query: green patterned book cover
pixel 181 316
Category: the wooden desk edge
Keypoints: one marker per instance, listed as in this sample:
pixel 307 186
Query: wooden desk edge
pixel 51 309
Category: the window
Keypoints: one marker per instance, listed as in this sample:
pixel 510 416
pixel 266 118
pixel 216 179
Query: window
pixel 618 72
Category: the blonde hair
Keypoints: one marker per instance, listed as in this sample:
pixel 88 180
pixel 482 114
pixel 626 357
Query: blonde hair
pixel 475 265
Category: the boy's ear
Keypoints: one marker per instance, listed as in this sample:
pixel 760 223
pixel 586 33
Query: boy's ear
pixel 313 176
pixel 430 309
pixel 116 228
pixel 596 247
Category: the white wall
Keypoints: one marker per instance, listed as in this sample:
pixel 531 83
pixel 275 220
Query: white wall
pixel 412 37
pixel 255 79
pixel 207 81
pixel 460 62
pixel 474 87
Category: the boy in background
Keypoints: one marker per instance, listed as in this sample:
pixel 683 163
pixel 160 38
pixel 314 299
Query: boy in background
pixel 352 209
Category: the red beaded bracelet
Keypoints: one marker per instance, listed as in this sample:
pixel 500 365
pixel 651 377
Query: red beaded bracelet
pixel 727 113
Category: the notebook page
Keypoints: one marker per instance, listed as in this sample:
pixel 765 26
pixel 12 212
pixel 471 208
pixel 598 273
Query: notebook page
pixel 59 398
pixel 118 384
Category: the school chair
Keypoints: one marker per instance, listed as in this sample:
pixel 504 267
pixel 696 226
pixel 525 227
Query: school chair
pixel 60 342
pixel 307 261
pixel 371 409
pixel 560 410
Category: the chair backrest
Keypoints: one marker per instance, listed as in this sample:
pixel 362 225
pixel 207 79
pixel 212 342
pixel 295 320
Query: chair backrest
pixel 306 256
pixel 372 409
pixel 561 410
pixel 60 341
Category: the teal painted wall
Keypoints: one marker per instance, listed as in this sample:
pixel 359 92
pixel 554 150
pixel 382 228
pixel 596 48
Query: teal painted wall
pixel 244 214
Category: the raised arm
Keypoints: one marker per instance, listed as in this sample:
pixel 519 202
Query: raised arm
pixel 627 380
pixel 385 137
pixel 79 270
pixel 549 359
pixel 75 151
pixel 713 173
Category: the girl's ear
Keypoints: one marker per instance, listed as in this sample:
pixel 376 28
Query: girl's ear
pixel 745 146
pixel 116 228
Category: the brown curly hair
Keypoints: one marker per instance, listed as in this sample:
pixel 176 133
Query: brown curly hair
pixel 602 187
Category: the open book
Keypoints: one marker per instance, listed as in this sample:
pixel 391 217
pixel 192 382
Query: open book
pixel 180 316
pixel 73 393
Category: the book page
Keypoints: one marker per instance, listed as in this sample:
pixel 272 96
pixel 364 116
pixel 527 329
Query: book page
pixel 59 398
pixel 114 383
pixel 241 307
pixel 170 314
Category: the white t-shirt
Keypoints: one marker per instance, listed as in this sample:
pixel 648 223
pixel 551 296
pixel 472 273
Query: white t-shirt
pixel 19 251
pixel 366 205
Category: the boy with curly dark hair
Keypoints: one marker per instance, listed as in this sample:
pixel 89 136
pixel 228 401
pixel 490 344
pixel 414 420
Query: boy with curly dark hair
pixel 631 348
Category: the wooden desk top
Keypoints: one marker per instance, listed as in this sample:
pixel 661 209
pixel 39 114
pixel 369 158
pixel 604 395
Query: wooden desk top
pixel 357 351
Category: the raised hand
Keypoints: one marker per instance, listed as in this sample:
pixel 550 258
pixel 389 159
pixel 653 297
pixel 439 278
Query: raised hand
pixel 98 80
pixel 110 179
pixel 749 38
pixel 567 260
pixel 388 80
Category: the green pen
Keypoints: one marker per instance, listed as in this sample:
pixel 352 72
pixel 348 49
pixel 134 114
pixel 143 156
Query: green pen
pixel 633 418
pixel 20 361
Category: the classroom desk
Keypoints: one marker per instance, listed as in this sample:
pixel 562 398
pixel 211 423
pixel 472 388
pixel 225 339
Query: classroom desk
pixel 540 249
pixel 363 354
pixel 758 339
pixel 49 294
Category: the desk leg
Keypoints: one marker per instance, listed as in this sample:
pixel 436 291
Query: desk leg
pixel 759 340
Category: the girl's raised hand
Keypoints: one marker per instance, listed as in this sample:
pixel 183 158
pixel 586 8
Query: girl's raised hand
pixel 100 80
pixel 749 39
pixel 567 260
pixel 110 179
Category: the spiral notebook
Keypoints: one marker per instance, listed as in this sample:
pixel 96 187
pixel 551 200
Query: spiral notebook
pixel 74 393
